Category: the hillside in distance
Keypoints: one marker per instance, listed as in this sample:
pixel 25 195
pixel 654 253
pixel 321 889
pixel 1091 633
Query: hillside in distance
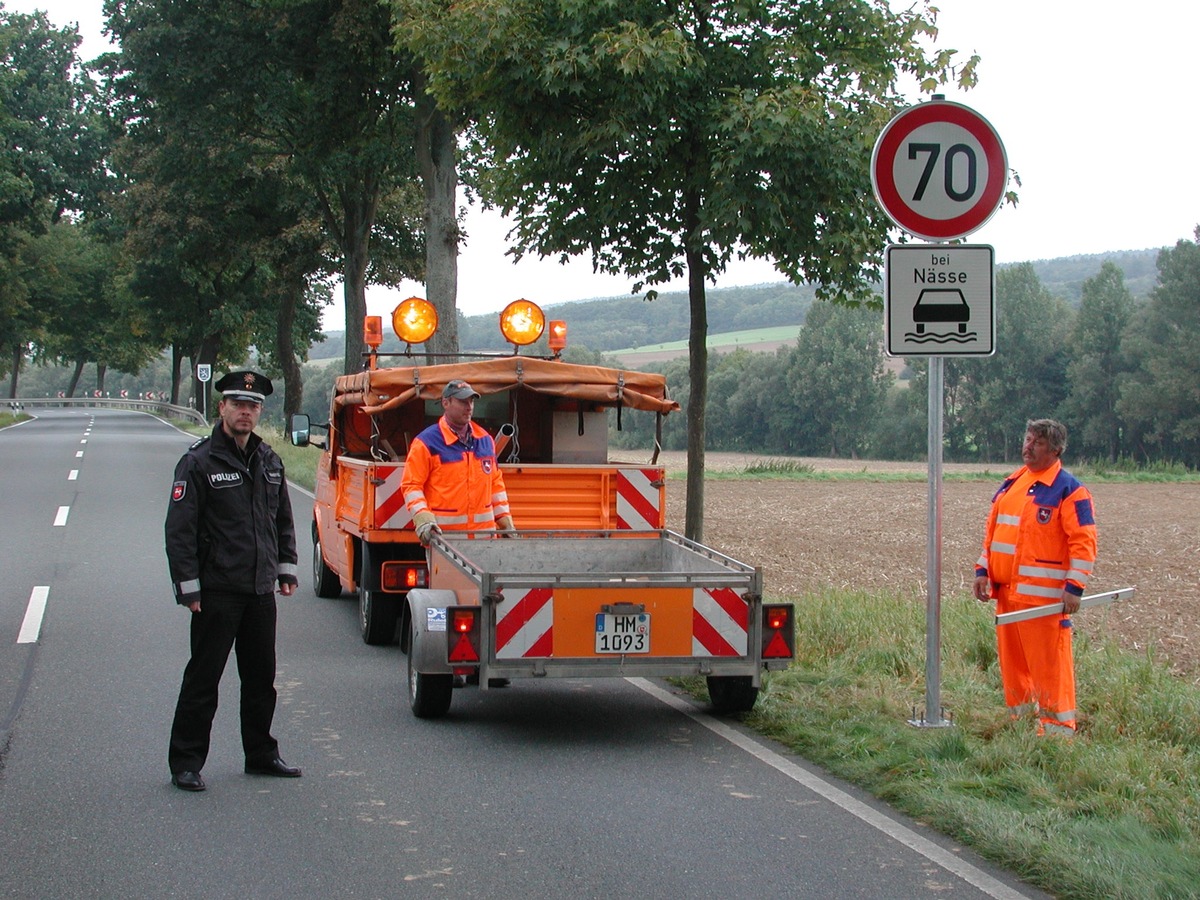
pixel 610 324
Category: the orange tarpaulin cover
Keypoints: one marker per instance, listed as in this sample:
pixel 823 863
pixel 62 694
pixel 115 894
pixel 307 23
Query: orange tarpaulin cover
pixel 377 390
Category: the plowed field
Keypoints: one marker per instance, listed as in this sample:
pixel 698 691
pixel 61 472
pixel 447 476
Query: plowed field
pixel 808 535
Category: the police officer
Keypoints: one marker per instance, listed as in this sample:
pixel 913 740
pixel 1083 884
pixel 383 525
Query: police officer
pixel 230 539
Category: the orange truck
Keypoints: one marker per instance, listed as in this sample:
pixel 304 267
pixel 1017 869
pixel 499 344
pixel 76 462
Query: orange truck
pixel 593 583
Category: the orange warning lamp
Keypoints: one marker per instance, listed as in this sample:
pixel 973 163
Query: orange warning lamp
pixel 558 335
pixel 522 322
pixel 414 320
pixel 373 331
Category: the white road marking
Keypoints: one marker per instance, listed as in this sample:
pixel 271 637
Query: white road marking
pixel 906 836
pixel 61 517
pixel 74 474
pixel 31 627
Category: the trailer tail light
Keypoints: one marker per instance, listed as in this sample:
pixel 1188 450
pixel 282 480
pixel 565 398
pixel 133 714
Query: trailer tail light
pixel 778 632
pixel 462 634
pixel 403 576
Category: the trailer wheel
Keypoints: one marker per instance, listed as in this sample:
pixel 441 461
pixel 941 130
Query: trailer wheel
pixel 325 580
pixel 732 693
pixel 428 695
pixel 377 613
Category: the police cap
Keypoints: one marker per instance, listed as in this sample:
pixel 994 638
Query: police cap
pixel 245 385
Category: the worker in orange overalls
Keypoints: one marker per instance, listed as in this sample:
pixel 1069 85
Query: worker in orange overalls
pixel 1039 548
pixel 451 480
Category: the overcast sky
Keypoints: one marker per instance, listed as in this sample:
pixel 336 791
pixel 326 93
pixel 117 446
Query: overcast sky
pixel 1094 101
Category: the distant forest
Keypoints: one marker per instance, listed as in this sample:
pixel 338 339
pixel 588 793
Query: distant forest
pixel 626 322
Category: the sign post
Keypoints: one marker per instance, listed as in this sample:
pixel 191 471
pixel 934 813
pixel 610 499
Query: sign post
pixel 939 171
pixel 203 374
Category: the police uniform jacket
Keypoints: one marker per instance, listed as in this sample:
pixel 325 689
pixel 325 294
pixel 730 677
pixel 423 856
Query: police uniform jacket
pixel 229 522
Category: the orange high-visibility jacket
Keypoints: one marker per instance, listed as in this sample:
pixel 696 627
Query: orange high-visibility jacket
pixel 460 484
pixel 1041 543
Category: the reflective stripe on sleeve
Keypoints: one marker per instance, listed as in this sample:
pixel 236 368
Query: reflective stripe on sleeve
pixel 288 569
pixel 188 587
pixel 998 547
pixel 1008 520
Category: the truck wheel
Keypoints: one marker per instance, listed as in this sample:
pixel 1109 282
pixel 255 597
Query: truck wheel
pixel 732 693
pixel 428 695
pixel 377 613
pixel 325 580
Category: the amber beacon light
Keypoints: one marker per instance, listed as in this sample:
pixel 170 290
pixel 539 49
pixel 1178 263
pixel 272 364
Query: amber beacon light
pixel 414 320
pixel 522 322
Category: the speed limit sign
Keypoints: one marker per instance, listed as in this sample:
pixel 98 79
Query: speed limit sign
pixel 939 170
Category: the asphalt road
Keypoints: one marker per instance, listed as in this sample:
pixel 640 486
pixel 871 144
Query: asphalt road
pixel 606 788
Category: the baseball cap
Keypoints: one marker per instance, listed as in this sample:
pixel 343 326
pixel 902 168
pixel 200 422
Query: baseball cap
pixel 459 390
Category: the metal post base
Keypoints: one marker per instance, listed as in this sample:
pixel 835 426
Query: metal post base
pixel 921 722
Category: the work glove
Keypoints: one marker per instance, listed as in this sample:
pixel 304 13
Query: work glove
pixel 425 524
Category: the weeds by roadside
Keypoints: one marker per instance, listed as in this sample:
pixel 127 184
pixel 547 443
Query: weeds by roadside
pixel 1110 813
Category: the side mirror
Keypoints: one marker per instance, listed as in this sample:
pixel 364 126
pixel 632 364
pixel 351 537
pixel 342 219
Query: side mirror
pixel 299 429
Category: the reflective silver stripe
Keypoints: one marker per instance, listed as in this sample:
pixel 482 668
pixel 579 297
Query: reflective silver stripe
pixel 982 561
pixel 1022 709
pixel 189 587
pixel 1082 565
pixel 1052 728
pixel 501 510
pixel 1042 572
pixel 415 500
pixel 998 547
pixel 1080 577
pixel 1034 590
pixel 288 569
pixel 1008 520
pixel 483 517
pixel 1068 716
pixel 452 520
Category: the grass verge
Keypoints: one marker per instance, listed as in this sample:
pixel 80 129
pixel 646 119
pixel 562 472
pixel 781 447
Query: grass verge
pixel 1111 813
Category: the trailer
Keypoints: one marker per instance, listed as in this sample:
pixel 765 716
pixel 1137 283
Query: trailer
pixel 572 604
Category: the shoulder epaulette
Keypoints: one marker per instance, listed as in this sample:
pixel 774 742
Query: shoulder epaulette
pixel 199 442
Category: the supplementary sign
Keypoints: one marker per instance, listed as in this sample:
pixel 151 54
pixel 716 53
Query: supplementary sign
pixel 939 300
pixel 939 170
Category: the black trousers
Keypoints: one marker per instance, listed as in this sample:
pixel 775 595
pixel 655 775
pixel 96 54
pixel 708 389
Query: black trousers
pixel 244 623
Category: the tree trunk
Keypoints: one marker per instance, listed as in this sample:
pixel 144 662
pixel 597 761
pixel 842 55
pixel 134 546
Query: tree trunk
pixel 698 396
pixel 76 374
pixel 101 371
pixel 438 160
pixel 16 368
pixel 285 349
pixel 201 394
pixel 176 360
pixel 358 218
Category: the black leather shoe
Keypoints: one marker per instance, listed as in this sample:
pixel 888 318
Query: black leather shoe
pixel 275 767
pixel 188 781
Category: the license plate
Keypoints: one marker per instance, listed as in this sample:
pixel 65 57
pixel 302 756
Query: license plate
pixel 622 633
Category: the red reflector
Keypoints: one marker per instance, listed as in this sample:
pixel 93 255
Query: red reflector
pixel 464 620
pixel 777 648
pixel 463 650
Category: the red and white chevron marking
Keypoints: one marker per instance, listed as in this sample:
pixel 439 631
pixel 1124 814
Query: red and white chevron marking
pixel 720 623
pixel 638 506
pixel 390 511
pixel 525 624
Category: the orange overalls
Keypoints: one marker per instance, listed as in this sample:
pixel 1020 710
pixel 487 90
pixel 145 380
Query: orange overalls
pixel 1040 542
pixel 460 484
